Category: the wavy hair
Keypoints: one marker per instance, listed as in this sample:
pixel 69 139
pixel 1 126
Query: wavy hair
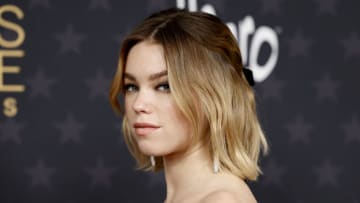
pixel 208 84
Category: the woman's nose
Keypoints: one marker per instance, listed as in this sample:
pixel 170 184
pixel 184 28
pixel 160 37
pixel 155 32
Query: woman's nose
pixel 142 103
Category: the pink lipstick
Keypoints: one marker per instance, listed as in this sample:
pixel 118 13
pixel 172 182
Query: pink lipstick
pixel 143 129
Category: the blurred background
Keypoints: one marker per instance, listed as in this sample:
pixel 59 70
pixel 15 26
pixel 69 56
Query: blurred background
pixel 60 141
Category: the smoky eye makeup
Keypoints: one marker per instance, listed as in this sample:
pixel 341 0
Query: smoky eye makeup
pixel 129 87
pixel 163 86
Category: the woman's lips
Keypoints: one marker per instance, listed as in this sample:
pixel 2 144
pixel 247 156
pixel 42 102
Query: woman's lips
pixel 143 129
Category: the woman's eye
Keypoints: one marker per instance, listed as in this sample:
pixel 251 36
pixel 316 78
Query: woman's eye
pixel 129 88
pixel 164 87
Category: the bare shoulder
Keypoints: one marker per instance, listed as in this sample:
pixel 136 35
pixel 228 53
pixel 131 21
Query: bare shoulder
pixel 230 192
pixel 222 196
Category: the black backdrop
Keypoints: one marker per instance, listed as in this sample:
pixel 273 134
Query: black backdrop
pixel 60 141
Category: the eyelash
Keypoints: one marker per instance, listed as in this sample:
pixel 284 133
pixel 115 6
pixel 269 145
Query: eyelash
pixel 163 87
pixel 127 88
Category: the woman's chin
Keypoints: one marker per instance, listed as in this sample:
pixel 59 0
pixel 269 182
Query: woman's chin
pixel 150 150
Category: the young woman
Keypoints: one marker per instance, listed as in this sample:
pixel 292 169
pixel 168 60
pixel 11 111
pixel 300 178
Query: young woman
pixel 189 108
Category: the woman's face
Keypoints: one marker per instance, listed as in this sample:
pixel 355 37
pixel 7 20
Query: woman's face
pixel 154 119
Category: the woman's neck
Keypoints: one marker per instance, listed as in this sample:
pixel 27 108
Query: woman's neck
pixel 187 172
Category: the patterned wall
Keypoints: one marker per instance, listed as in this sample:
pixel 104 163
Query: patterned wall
pixel 61 143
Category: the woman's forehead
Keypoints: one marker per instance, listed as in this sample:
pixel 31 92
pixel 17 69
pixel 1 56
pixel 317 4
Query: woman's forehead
pixel 145 58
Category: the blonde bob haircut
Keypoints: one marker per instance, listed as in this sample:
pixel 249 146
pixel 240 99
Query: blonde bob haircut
pixel 208 84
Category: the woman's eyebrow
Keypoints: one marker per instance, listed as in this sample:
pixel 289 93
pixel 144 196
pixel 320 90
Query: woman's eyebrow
pixel 129 76
pixel 153 76
pixel 158 75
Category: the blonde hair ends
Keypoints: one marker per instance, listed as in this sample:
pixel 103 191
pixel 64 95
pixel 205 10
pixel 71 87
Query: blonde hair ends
pixel 207 82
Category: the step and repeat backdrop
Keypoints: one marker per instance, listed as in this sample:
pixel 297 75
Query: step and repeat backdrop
pixel 60 142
